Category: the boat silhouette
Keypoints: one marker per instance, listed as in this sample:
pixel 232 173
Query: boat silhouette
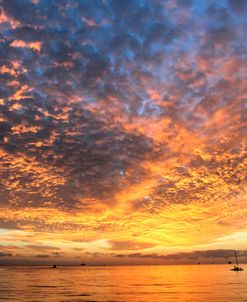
pixel 236 267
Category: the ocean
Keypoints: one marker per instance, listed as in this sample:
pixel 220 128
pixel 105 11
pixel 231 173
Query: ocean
pixel 191 283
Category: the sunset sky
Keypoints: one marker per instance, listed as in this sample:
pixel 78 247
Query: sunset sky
pixel 123 131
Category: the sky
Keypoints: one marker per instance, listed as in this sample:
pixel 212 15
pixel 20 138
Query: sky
pixel 123 131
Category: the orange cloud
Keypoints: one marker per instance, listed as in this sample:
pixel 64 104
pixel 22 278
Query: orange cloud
pixel 32 45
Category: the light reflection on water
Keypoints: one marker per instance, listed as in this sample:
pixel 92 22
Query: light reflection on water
pixel 123 283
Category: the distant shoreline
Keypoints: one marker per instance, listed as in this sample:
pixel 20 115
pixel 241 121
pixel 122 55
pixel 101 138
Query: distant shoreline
pixel 115 265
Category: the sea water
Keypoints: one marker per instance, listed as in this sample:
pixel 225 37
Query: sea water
pixel 192 283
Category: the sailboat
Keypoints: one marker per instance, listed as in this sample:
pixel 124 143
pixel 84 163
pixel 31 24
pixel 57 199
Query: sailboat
pixel 237 268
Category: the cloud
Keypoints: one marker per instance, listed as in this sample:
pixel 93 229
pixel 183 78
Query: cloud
pixel 8 224
pixel 41 247
pixel 220 254
pixel 238 6
pixel 42 256
pixel 81 148
pixel 57 254
pixel 5 255
pixel 33 45
pixel 117 115
pixel 129 245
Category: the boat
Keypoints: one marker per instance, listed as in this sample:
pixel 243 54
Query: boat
pixel 236 267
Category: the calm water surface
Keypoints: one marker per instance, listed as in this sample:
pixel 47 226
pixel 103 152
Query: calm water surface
pixel 196 283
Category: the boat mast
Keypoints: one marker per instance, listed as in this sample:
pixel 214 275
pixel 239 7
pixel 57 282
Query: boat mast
pixel 236 258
